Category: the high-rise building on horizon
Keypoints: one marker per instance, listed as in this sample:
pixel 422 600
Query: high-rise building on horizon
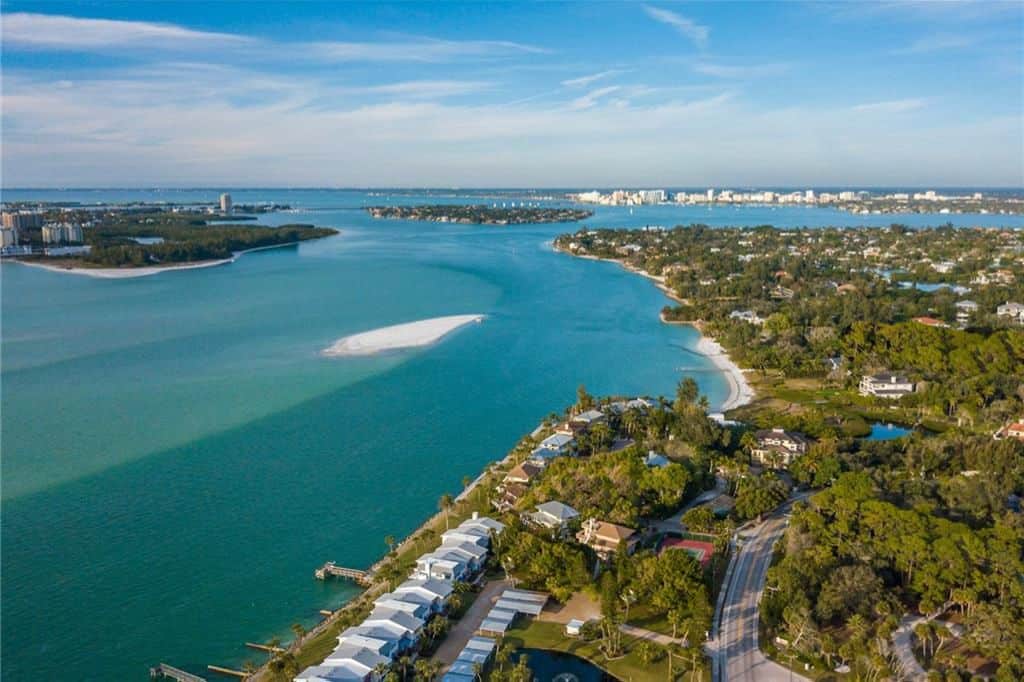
pixel 225 203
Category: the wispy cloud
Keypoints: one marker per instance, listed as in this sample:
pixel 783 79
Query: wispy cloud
pixel 740 71
pixel 55 32
pixel 65 33
pixel 418 50
pixel 426 89
pixel 938 43
pixel 590 99
pixel 698 33
pixel 587 80
pixel 895 106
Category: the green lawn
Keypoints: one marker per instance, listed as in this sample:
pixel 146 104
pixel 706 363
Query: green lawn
pixel 629 668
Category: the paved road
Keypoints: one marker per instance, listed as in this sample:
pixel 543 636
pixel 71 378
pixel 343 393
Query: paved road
pixel 735 650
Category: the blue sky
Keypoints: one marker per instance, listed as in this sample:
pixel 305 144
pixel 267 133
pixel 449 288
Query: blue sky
pixel 513 94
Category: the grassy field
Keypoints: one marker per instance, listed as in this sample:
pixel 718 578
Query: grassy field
pixel 629 668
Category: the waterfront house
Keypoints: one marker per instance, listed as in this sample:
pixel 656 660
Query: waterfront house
pixel 887 385
pixel 359 660
pixel 459 535
pixel 522 473
pixel 509 495
pixel 471 554
pixel 432 565
pixel 434 593
pixel 396 602
pixel 380 641
pixel 585 420
pixel 605 538
pixel 396 618
pixel 558 443
pixel 778 447
pixel 484 523
pixel 553 515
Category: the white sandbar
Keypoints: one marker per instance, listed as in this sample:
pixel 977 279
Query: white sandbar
pixel 408 335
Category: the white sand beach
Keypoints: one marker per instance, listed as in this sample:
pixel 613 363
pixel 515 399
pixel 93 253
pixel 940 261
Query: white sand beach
pixel 408 335
pixel 126 273
pixel 740 392
pixel 130 273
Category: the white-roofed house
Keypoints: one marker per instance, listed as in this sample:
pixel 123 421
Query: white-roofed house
pixel 553 515
pixel 379 641
pixel 473 535
pixel 432 592
pixel 395 618
pixel 434 565
pixel 483 522
pixel 356 660
pixel 420 608
pixel 327 673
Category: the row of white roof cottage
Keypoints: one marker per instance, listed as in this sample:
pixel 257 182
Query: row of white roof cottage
pixel 398 617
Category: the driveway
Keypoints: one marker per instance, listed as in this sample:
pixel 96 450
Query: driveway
pixel 467 626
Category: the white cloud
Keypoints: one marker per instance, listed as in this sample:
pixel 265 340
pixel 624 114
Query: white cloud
pixel 587 80
pixel 418 50
pixel 423 89
pixel 48 31
pixel 740 71
pixel 896 106
pixel 590 99
pixel 937 43
pixel 688 27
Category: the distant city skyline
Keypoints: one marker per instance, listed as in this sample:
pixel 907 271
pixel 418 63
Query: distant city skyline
pixel 595 96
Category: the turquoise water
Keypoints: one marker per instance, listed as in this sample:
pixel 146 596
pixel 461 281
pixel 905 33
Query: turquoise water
pixel 178 457
pixel 880 431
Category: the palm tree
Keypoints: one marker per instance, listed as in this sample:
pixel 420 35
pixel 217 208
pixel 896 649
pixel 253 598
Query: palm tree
pixel 389 540
pixel 445 503
pixel 299 631
pixel 381 670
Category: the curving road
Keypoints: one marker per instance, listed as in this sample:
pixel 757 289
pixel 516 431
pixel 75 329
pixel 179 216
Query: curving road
pixel 735 654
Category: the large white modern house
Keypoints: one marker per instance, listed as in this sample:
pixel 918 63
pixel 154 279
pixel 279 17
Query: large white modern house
pixel 887 385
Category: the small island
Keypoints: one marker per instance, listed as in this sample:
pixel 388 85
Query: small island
pixel 479 214
pixel 123 243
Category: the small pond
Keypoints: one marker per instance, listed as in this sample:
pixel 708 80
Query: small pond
pixel 558 666
pixel 880 431
pixel 147 240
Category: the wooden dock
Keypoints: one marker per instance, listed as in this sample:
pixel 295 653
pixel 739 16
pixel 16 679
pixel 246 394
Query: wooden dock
pixel 330 569
pixel 164 670
pixel 240 674
pixel 265 647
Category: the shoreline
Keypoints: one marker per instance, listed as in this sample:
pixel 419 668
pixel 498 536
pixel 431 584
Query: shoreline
pixel 740 391
pixel 147 270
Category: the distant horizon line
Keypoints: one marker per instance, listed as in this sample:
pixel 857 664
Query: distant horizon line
pixel 507 188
